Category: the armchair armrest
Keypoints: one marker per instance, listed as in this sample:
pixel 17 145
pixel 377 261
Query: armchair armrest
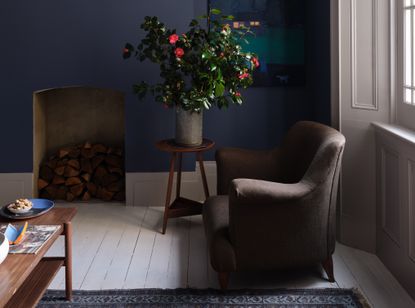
pixel 235 163
pixel 249 191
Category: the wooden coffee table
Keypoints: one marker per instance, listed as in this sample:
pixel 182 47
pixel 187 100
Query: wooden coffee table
pixel 25 277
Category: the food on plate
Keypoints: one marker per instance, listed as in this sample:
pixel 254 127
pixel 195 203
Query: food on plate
pixel 20 206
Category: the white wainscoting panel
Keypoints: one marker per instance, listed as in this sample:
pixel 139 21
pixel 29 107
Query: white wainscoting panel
pixel 149 188
pixel 395 236
pixel 390 193
pixel 411 208
pixel 15 185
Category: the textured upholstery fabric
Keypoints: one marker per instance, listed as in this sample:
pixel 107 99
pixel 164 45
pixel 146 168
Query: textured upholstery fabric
pixel 216 222
pixel 280 209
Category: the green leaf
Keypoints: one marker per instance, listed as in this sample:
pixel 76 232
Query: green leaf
pixel 193 23
pixel 215 11
pixel 228 17
pixel 219 89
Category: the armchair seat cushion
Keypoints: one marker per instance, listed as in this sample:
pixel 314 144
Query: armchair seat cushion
pixel 216 222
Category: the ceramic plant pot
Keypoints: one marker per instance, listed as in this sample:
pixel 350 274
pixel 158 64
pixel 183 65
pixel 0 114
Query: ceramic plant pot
pixel 189 126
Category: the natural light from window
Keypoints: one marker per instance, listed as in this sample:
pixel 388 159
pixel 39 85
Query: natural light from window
pixel 409 52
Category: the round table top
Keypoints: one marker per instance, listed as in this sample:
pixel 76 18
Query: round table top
pixel 169 145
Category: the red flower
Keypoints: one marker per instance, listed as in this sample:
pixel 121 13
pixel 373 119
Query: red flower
pixel 237 94
pixel 126 50
pixel 166 106
pixel 243 76
pixel 179 52
pixel 255 61
pixel 173 39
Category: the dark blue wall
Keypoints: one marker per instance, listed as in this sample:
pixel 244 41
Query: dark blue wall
pixel 49 43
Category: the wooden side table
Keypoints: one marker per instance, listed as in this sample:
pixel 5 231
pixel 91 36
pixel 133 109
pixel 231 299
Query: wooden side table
pixel 182 206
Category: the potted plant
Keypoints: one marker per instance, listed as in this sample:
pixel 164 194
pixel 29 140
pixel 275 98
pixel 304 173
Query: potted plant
pixel 201 68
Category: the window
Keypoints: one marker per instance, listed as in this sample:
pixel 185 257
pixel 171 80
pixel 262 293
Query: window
pixel 409 50
pixel 406 63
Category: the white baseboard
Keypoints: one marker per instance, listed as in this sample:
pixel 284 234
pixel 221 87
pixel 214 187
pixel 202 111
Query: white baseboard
pixel 15 185
pixel 149 188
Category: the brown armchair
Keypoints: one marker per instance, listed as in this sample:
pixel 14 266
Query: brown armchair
pixel 276 209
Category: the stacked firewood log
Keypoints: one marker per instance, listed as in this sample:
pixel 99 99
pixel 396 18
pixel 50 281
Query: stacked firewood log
pixel 83 172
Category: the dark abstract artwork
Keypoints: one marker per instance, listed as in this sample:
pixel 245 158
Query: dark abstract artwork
pixel 278 39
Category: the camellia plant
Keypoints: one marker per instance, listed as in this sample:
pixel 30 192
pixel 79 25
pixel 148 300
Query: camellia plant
pixel 201 68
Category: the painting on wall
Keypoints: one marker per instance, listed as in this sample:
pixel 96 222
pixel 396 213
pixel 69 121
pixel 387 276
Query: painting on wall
pixel 278 39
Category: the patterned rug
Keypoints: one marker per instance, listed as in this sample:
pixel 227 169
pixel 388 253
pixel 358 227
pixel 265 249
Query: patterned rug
pixel 207 298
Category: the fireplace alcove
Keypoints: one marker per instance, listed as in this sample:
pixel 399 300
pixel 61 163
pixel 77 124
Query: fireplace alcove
pixel 74 115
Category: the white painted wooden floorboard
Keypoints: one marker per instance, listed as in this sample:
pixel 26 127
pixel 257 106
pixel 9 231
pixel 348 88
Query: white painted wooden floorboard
pixel 379 293
pixel 139 265
pixel 104 256
pixel 177 269
pixel 118 269
pixel 342 274
pixel 86 249
pixel 198 261
pixel 159 262
pixel 394 291
pixel 123 248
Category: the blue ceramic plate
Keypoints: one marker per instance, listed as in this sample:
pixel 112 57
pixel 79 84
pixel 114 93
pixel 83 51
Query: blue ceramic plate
pixel 40 207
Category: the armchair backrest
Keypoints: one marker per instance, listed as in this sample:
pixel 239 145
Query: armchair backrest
pixel 308 144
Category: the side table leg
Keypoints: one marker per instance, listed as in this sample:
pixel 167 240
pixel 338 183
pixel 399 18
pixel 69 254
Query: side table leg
pixel 202 171
pixel 68 260
pixel 179 174
pixel 169 189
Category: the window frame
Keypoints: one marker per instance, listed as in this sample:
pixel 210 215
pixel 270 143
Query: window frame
pixel 405 112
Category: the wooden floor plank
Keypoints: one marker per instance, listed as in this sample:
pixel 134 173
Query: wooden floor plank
pixel 118 269
pixel 198 270
pixel 160 257
pixel 139 265
pixel 86 247
pixel 344 277
pixel 177 270
pixel 389 283
pixel 106 253
pixel 375 292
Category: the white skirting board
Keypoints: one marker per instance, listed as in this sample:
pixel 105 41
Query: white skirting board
pixel 149 189
pixel 142 188
pixel 15 185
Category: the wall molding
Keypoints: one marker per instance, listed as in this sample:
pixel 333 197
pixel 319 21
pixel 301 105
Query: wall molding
pixel 356 104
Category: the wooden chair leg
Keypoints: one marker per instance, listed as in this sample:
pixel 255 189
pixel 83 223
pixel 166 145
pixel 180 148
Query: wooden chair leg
pixel 223 280
pixel 328 268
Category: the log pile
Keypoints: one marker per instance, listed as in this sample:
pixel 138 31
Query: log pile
pixel 83 172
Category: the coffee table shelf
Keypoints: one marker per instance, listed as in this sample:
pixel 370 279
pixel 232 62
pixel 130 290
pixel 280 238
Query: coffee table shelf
pixel 35 285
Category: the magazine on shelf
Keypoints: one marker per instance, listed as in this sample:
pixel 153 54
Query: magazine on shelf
pixel 35 237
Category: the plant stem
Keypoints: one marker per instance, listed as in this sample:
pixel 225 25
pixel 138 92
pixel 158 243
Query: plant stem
pixel 208 15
